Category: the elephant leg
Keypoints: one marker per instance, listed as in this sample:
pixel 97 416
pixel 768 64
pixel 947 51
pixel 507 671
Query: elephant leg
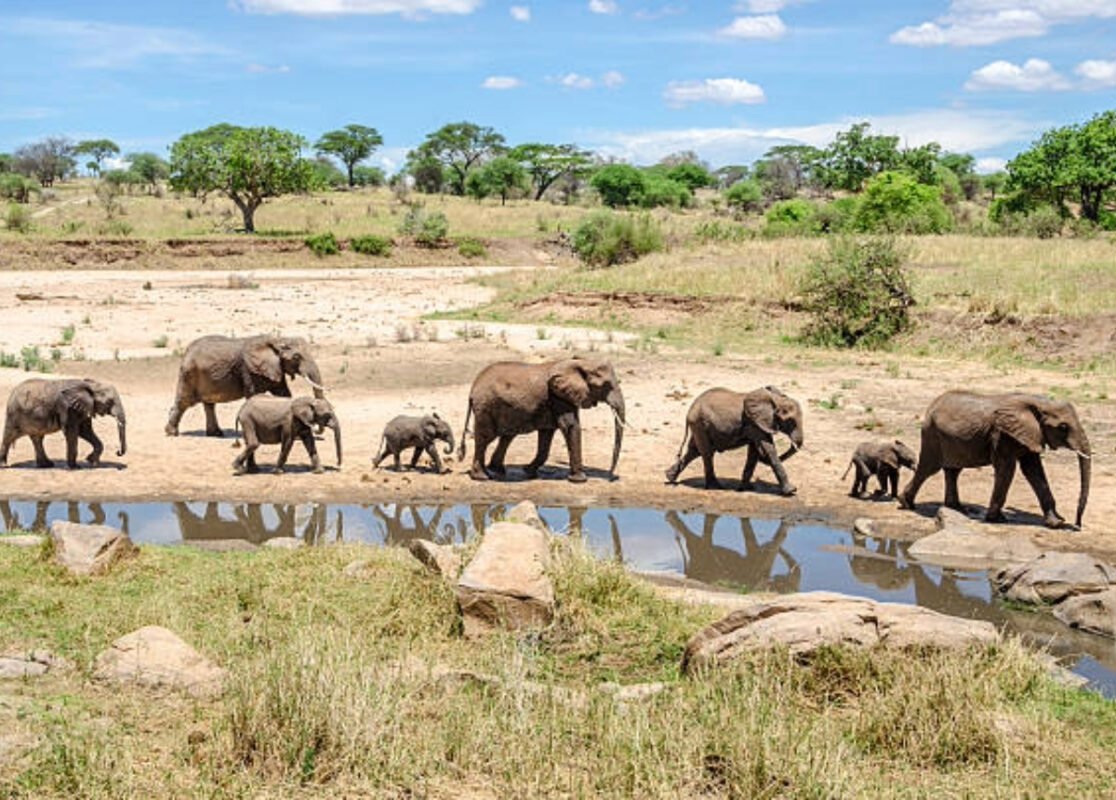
pixel 1004 468
pixel 893 479
pixel 751 459
pixel 380 456
pixel 284 454
pixel 212 427
pixel 883 477
pixel 246 461
pixel 41 459
pixel 86 432
pixel 432 451
pixel 71 435
pixel 928 465
pixel 415 456
pixel 952 495
pixel 570 426
pixel 10 436
pixel 307 438
pixel 496 465
pixel 706 451
pixel 682 462
pixel 1031 465
pixel 542 453
pixel 770 452
pixel 860 477
pixel 482 437
pixel 396 463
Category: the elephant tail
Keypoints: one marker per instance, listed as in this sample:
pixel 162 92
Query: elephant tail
pixel 685 442
pixel 850 466
pixel 236 427
pixel 465 431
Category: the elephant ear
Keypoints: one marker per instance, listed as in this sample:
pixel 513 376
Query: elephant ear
pixel 77 400
pixel 567 381
pixel 890 456
pixel 759 407
pixel 304 412
pixel 263 359
pixel 430 427
pixel 1020 422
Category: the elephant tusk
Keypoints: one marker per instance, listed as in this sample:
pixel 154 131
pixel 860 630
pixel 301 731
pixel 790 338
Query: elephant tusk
pixel 1085 456
pixel 622 423
pixel 314 384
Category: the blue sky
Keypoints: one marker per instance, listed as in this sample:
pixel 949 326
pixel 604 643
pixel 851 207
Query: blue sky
pixel 632 78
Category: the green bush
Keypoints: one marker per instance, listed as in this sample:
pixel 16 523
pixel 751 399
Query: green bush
pixel 659 190
pixel 837 215
pixel 619 185
pixel 115 227
pixel 433 231
pixel 323 244
pixel 792 218
pixel 605 238
pixel 858 295
pixel 894 202
pixel 371 245
pixel 744 196
pixel 18 218
pixel 471 247
pixel 1039 221
pixel 17 188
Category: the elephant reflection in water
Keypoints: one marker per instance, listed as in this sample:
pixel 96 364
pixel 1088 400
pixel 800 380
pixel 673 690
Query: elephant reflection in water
pixel 406 524
pixel 12 521
pixel 885 566
pixel 711 563
pixel 248 523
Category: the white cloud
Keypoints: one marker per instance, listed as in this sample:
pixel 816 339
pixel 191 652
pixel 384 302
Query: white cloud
pixel 723 91
pixel 604 7
pixel 613 79
pixel 981 22
pixel 986 166
pixel 1034 75
pixel 334 8
pixel 766 6
pixel 573 80
pixel 768 26
pixel 520 13
pixel 501 83
pixel 1097 74
pixel 264 69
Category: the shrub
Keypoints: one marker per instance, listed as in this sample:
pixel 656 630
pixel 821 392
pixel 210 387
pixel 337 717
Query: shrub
pixel 792 218
pixel 471 247
pixel 619 185
pixel 18 218
pixel 717 231
pixel 1041 222
pixel 659 190
pixel 858 294
pixel 323 244
pixel 17 188
pixel 744 196
pixel 371 245
pixel 605 238
pixel 894 202
pixel 836 216
pixel 433 231
pixel 115 227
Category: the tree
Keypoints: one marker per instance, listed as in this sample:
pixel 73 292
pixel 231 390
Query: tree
pixel 856 155
pixel 692 176
pixel 247 165
pixel 995 183
pixel 350 145
pixel 683 157
pixel 922 162
pixel 428 172
pixel 98 150
pixel 502 175
pixel 960 164
pixel 895 202
pixel 619 185
pixel 546 163
pixel 326 174
pixel 47 161
pixel 458 147
pixel 149 168
pixel 744 196
pixel 727 176
pixel 7 163
pixel 369 176
pixel 787 169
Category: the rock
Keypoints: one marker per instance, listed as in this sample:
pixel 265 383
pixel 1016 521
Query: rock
pixel 957 545
pixel 30 664
pixel 865 527
pixel 89 549
pixel 156 658
pixel 438 558
pixel 285 543
pixel 1052 577
pixel 1094 612
pixel 23 540
pixel 804 622
pixel 947 518
pixel 526 513
pixel 505 585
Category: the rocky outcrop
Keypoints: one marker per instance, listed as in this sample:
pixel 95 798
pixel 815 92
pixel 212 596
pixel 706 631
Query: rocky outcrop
pixel 156 658
pixel 1052 577
pixel 1094 612
pixel 958 545
pixel 30 664
pixel 506 584
pixel 802 623
pixel 438 558
pixel 89 549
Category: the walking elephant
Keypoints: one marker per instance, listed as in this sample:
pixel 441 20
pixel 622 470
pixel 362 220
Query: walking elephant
pixel 218 369
pixel 721 420
pixel 421 433
pixel 278 420
pixel 964 430
pixel 40 407
pixel 510 398
pixel 882 459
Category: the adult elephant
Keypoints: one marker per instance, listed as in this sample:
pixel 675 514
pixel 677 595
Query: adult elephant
pixel 219 369
pixel 40 407
pixel 510 398
pixel 965 429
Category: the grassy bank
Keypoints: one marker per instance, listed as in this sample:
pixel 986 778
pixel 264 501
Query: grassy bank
pixel 328 696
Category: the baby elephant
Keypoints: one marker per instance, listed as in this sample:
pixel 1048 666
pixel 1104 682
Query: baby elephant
pixel 421 433
pixel 882 459
pixel 281 420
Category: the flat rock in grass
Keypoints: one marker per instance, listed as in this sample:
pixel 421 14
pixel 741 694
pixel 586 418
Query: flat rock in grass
pixel 1094 612
pixel 802 623
pixel 526 513
pixel 23 540
pixel 506 583
pixel 285 543
pixel 30 664
pixel 438 558
pixel 156 658
pixel 958 545
pixel 1052 577
pixel 89 549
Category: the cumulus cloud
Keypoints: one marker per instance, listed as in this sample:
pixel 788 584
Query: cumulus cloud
pixel 986 166
pixel 604 6
pixel 501 83
pixel 766 6
pixel 574 80
pixel 1034 75
pixel 264 69
pixel 723 91
pixel 520 13
pixel 970 23
pixel 768 26
pixel 334 8
pixel 1097 74
pixel 613 79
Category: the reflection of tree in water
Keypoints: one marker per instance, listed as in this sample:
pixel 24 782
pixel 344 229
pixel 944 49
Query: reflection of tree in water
pixel 249 523
pixel 406 523
pixel 97 516
pixel 705 561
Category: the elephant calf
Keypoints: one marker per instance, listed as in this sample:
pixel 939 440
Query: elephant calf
pixel 40 407
pixel 882 459
pixel 278 420
pixel 421 433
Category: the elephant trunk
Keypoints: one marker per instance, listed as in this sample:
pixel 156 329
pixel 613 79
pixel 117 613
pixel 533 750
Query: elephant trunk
pixel 336 438
pixel 1085 465
pixel 795 445
pixel 121 427
pixel 449 443
pixel 308 369
pixel 615 400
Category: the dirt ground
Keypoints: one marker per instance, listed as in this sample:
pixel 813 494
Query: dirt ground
pixel 379 360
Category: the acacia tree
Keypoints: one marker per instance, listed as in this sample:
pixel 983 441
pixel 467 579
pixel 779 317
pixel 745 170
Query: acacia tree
pixel 547 163
pixel 148 168
pixel 458 147
pixel 98 150
pixel 502 175
pixel 856 155
pixel 46 161
pixel 350 145
pixel 247 165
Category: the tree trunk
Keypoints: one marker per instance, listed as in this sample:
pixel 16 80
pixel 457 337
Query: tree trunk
pixel 247 211
pixel 352 182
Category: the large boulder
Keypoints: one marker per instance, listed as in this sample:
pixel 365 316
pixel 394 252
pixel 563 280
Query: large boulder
pixel 506 583
pixel 156 658
pixel 526 513
pixel 440 559
pixel 89 549
pixel 958 545
pixel 802 623
pixel 1052 577
pixel 1094 612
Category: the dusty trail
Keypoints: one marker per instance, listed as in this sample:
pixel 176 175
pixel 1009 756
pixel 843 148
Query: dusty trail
pixel 364 325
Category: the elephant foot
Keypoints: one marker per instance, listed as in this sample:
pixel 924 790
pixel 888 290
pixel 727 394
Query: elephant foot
pixel 788 491
pixel 217 434
pixel 577 477
pixel 171 430
pixel 531 471
pixel 500 471
pixel 318 470
pixel 992 516
pixel 45 464
pixel 671 476
pixel 1054 520
pixel 280 471
pixel 713 485
pixel 478 474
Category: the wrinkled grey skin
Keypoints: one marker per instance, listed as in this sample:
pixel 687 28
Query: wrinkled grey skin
pixel 963 430
pixel 721 420
pixel 278 420
pixel 217 369
pixel 421 433
pixel 37 408
pixel 882 459
pixel 510 398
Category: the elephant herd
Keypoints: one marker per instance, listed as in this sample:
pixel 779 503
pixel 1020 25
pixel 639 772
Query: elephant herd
pixel 961 430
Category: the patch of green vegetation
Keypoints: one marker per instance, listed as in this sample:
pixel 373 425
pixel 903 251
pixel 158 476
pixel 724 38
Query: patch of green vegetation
pixel 371 245
pixel 323 244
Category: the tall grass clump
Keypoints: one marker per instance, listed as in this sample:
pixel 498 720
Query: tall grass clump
pixel 605 238
pixel 323 244
pixel 17 218
pixel 858 295
pixel 371 245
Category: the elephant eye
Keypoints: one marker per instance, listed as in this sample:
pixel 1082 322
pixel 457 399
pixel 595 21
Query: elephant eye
pixel 1063 426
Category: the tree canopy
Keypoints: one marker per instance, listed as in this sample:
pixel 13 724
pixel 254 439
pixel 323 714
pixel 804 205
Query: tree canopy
pixel 350 145
pixel 458 147
pixel 546 163
pixel 502 175
pixel 47 160
pixel 98 150
pixel 148 167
